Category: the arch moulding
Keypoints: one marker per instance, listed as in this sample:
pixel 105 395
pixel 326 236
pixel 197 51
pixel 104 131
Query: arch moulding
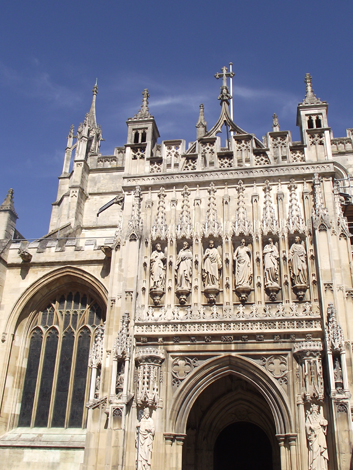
pixel 45 286
pixel 242 368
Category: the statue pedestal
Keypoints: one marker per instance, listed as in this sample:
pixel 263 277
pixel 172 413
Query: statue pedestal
pixel 156 293
pixel 243 293
pixel 211 293
pixel 182 295
pixel 299 290
pixel 272 291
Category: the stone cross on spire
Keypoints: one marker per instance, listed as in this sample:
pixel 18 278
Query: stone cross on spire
pixel 225 95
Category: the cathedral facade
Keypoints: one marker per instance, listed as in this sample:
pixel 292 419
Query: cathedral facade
pixel 191 307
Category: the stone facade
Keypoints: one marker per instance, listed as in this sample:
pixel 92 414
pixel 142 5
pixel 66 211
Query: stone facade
pixel 184 295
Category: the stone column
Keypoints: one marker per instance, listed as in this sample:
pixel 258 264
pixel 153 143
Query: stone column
pixel 282 451
pixel 292 440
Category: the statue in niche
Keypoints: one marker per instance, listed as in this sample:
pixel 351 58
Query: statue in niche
pixel 212 265
pixel 243 266
pixel 316 428
pixel 298 268
pixel 243 271
pixel 158 268
pixel 271 258
pixel 183 273
pixel 271 269
pixel 183 270
pixel 144 442
pixel 297 258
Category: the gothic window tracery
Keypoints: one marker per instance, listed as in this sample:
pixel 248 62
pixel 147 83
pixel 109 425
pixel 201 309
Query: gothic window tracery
pixel 56 381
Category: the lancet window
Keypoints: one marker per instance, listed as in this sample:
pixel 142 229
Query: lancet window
pixel 56 384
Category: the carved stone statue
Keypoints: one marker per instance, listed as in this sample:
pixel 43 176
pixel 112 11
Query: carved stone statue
pixel 297 258
pixel 271 269
pixel 145 436
pixel 271 257
pixel 243 266
pixel 183 270
pixel 316 428
pixel 183 273
pixel 212 264
pixel 157 270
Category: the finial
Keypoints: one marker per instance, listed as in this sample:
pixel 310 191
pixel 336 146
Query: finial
pixel 144 112
pixel 275 123
pixel 91 115
pixel 71 132
pixel 201 124
pixel 9 197
pixel 95 88
pixel 225 95
pixel 310 97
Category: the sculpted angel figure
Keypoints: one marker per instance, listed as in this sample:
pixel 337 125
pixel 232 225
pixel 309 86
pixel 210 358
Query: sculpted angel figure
pixel 243 266
pixel 316 428
pixel 297 258
pixel 144 442
pixel 271 258
pixel 183 270
pixel 212 264
pixel 158 268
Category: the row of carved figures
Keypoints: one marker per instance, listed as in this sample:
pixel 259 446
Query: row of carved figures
pixel 243 272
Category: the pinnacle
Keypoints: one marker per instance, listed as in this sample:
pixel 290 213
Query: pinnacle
pixel 8 204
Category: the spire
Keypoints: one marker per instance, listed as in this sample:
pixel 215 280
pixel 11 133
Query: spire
pixel 310 97
pixel 91 115
pixel 201 124
pixel 275 123
pixel 144 112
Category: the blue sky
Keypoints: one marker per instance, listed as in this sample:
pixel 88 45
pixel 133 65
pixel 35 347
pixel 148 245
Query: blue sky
pixel 52 52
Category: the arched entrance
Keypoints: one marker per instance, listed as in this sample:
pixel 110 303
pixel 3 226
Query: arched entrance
pixel 230 427
pixel 242 446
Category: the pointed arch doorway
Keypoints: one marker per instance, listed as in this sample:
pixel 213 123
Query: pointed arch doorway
pixel 230 427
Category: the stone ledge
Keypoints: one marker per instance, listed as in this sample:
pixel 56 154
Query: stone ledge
pixel 38 437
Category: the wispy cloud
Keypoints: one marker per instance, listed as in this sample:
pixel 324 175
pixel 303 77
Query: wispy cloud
pixel 36 83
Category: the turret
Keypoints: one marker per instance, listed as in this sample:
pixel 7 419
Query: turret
pixel 72 193
pixel 312 121
pixel 142 137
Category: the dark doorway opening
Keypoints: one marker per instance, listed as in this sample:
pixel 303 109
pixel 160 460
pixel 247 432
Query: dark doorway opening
pixel 242 446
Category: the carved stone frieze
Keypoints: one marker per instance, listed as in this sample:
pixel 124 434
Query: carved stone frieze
pixel 243 173
pixel 238 312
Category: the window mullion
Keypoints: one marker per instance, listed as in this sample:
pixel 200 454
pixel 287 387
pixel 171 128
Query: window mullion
pixel 72 377
pixel 88 382
pixel 39 377
pixel 55 379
